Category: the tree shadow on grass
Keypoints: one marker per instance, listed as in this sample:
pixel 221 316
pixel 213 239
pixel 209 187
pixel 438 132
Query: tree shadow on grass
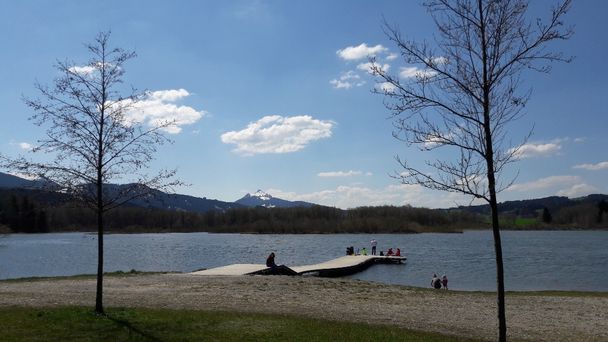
pixel 132 329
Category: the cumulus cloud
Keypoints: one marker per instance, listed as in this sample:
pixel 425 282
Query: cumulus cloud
pixel 391 56
pixel 83 70
pixel 593 167
pixel 411 72
pixel 22 145
pixel 347 80
pixel 360 51
pixel 88 70
pixel 545 183
pixel 370 67
pixel 386 87
pixel 356 196
pixel 26 146
pixel 339 173
pixel 536 150
pixel 433 141
pixel 577 190
pixel 159 108
pixel 440 60
pixel 278 134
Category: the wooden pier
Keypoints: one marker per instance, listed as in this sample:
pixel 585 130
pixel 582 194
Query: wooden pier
pixel 342 266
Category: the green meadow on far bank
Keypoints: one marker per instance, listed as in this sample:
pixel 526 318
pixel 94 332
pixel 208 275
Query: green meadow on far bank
pixel 80 323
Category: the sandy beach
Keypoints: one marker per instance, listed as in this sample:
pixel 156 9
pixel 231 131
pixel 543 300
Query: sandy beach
pixel 472 314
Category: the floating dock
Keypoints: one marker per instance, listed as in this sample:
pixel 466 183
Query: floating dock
pixel 342 266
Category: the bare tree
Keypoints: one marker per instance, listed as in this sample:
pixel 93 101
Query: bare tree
pixel 92 141
pixel 461 92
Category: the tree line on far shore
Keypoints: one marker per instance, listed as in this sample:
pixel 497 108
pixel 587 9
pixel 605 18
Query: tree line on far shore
pixel 23 212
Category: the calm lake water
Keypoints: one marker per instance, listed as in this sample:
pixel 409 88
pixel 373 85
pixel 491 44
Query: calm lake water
pixel 534 260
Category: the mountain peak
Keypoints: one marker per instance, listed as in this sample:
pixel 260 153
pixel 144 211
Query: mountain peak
pixel 263 199
pixel 262 195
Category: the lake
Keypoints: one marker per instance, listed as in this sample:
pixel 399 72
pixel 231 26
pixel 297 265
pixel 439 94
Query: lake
pixel 534 260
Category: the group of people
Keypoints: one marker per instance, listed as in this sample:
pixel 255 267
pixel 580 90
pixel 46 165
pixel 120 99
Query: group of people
pixel 438 283
pixel 390 252
pixel 363 251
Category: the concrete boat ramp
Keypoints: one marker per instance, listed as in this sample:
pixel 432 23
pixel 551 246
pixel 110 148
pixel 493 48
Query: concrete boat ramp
pixel 345 265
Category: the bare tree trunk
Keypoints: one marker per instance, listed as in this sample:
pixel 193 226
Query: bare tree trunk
pixel 502 322
pixel 99 294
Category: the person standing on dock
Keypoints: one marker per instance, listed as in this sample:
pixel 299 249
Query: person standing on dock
pixel 374 244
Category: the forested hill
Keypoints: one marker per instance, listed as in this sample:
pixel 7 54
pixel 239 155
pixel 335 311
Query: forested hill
pixel 32 211
pixel 530 207
pixel 35 210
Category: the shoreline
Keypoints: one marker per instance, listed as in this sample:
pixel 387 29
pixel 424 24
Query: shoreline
pixel 430 231
pixel 530 316
pixel 133 272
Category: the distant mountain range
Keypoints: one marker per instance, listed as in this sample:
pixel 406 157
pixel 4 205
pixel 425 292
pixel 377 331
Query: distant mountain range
pixel 262 199
pixel 178 202
pixel 162 200
pixel 10 181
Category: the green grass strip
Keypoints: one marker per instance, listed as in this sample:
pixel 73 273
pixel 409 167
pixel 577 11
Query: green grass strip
pixel 135 324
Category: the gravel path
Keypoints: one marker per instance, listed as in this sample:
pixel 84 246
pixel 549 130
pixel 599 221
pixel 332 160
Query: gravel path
pixel 529 317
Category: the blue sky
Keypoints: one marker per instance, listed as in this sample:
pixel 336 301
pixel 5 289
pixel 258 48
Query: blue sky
pixel 229 69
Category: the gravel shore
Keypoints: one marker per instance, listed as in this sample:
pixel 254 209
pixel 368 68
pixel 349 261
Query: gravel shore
pixel 472 314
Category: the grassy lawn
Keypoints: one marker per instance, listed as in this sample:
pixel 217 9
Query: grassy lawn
pixel 78 323
pixel 525 221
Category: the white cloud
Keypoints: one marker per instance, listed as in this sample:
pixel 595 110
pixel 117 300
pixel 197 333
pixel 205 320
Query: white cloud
pixel 26 146
pixel 368 67
pixel 158 108
pixel 545 183
pixel 391 56
pixel 340 84
pixel 278 134
pixel 537 150
pixel 438 60
pixel 360 51
pixel 579 140
pixel 339 173
pixel 357 196
pixel 435 141
pixel 386 87
pixel 83 70
pixel 87 70
pixel 347 80
pixel 411 72
pixel 22 145
pixel 578 190
pixel 593 167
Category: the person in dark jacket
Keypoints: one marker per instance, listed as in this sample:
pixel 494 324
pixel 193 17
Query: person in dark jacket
pixel 270 261
pixel 436 282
